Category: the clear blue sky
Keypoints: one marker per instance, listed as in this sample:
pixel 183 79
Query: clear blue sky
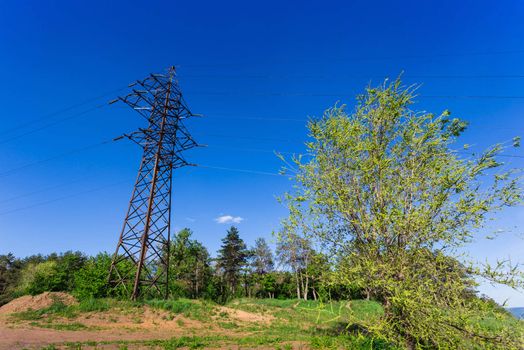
pixel 245 65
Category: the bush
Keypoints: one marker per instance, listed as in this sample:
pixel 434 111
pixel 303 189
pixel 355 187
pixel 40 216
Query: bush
pixel 92 304
pixel 91 281
pixel 53 273
pixel 38 278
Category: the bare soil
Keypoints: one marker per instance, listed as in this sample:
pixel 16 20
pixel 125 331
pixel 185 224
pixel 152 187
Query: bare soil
pixel 131 324
pixel 244 316
pixel 37 302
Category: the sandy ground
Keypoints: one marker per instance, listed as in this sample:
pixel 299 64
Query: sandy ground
pixel 113 325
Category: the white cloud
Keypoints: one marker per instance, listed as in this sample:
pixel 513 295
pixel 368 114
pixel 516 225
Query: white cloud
pixel 228 219
pixel 190 219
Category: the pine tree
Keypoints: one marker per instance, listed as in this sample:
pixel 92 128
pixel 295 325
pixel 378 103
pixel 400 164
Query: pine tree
pixel 232 257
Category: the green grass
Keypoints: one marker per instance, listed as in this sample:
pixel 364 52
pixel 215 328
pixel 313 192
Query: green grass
pixel 321 325
pixel 75 326
pixel 93 304
pixel 57 309
pixel 228 325
pixel 201 310
pixel 329 314
pixel 251 341
pixel 315 324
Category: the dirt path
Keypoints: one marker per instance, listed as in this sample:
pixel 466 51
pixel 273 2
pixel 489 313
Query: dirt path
pixel 20 338
pixel 113 325
pixel 23 335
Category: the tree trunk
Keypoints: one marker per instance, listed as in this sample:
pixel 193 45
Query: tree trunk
pixel 306 288
pixel 298 285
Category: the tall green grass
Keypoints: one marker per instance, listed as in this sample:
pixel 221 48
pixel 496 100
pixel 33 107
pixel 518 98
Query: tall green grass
pixel 196 309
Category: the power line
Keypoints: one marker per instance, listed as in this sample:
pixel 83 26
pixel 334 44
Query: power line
pixel 239 170
pixel 78 150
pixel 362 58
pixel 233 137
pixel 257 172
pixel 251 149
pixel 218 117
pixel 53 123
pixel 345 94
pixel 45 189
pixel 350 76
pixel 82 149
pixel 282 119
pixel 61 111
pixel 60 198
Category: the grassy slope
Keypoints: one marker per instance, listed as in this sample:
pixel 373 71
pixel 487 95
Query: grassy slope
pixel 308 323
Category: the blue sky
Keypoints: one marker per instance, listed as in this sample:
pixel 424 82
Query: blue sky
pixel 247 66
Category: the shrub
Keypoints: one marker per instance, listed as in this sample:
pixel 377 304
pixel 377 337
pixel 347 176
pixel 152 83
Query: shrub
pixel 91 279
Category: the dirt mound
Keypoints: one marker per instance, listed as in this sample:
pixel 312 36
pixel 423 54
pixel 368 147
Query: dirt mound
pixel 37 302
pixel 245 316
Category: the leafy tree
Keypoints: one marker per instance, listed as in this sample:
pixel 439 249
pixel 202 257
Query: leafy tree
pixel 91 281
pixel 10 268
pixel 269 285
pixel 232 257
pixel 295 251
pixel 263 261
pixel 318 271
pixel 189 265
pixel 37 278
pixel 67 264
pixel 54 272
pixel 386 190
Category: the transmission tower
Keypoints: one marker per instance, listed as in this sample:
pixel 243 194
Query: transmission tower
pixel 140 264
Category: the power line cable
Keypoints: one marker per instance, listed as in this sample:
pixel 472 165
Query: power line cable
pixel 257 172
pixel 251 149
pixel 297 140
pixel 231 137
pixel 48 188
pixel 45 189
pixel 240 170
pixel 61 111
pixel 61 198
pixel 362 58
pixel 53 123
pixel 219 117
pixel 307 94
pixel 77 150
pixel 349 76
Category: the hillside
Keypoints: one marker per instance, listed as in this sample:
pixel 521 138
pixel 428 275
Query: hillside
pixel 158 324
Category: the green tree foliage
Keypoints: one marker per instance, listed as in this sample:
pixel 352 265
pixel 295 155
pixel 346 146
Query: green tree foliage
pixel 318 271
pixel 295 251
pixel 190 268
pixel 232 257
pixel 52 273
pixel 261 267
pixel 10 268
pixel 91 281
pixel 386 191
pixel 263 261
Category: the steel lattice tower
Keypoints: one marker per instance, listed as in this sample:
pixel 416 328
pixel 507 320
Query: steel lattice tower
pixel 141 259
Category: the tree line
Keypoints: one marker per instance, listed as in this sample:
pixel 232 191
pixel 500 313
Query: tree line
pixel 294 270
